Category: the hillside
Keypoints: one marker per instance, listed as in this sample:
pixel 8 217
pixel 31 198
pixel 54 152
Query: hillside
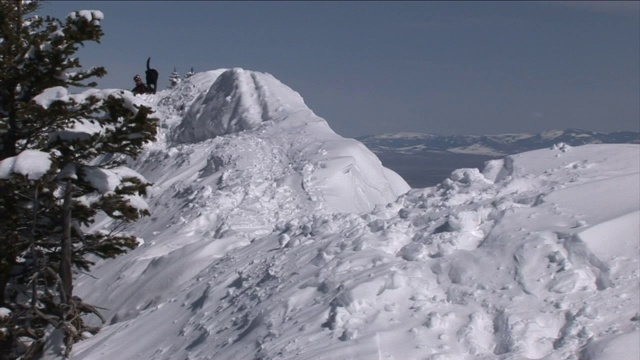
pixel 272 237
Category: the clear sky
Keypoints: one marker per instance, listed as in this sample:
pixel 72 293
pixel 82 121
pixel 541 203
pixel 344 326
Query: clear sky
pixel 373 67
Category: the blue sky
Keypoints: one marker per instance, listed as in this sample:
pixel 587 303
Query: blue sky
pixel 373 67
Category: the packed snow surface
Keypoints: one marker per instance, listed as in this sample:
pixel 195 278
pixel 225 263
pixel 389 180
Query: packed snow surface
pixel 271 237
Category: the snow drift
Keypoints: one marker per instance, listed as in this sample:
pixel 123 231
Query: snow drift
pixel 274 238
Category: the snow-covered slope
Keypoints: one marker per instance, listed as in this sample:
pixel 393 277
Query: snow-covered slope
pixel 283 240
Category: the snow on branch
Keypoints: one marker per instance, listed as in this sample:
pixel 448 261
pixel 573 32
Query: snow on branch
pixel 31 163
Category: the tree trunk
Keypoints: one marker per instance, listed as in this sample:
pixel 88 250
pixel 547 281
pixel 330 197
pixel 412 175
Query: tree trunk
pixel 19 17
pixel 6 345
pixel 66 287
pixel 3 287
pixel 9 138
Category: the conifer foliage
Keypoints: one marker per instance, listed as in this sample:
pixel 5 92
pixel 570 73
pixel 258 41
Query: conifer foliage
pixel 62 159
pixel 174 78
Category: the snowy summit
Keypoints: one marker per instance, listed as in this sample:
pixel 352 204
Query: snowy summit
pixel 272 237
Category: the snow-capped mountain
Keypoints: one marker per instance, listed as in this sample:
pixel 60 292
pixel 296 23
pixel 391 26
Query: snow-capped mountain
pixel 272 237
pixel 491 145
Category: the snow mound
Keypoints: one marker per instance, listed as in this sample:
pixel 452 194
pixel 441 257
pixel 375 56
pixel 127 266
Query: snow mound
pixel 237 100
pixel 271 134
pixel 283 240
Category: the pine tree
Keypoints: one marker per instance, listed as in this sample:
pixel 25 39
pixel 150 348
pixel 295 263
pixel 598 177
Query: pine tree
pixel 83 140
pixel 174 78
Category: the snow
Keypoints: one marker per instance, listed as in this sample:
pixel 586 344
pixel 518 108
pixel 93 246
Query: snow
pixel 90 15
pixel 104 181
pixel 107 180
pixel 48 96
pixel 31 163
pixel 272 237
pixel 237 101
pixel 4 312
pixel 614 347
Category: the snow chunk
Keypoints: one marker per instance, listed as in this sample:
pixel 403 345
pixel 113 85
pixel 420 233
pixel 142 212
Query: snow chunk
pixel 97 15
pixel 107 180
pixel 48 96
pixel 103 180
pixel 89 15
pixel 81 130
pixel 32 163
pixel 137 202
pixel 4 312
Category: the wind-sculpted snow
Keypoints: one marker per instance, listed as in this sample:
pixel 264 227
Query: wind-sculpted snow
pixel 238 100
pixel 250 253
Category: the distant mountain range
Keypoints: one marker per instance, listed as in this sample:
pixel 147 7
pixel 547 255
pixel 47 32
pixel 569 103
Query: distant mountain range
pixel 491 145
pixel 425 159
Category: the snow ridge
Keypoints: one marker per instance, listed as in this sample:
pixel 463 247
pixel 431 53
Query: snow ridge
pixel 274 238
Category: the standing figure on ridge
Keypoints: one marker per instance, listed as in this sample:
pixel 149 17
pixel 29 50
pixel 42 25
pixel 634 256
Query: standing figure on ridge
pixel 152 78
pixel 140 88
